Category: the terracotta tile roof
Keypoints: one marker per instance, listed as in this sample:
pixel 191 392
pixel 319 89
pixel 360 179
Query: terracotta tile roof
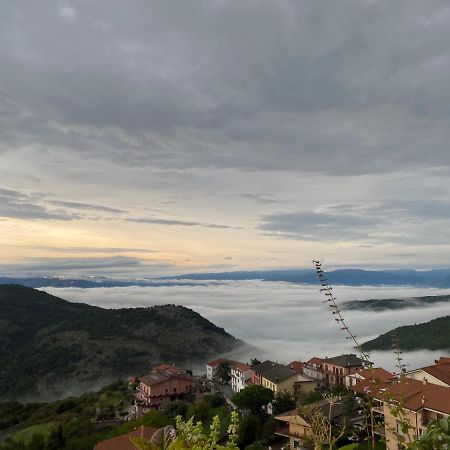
pixel 378 374
pixel 315 360
pixel 297 366
pixel 167 368
pixel 216 362
pixel 155 378
pixel 413 394
pixel 123 442
pixel 441 370
pixel 240 366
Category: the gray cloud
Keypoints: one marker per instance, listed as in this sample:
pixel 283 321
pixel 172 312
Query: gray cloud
pixel 174 222
pixel 19 205
pixel 310 86
pixel 413 222
pixel 86 206
pixel 260 197
pixel 309 225
pixel 115 266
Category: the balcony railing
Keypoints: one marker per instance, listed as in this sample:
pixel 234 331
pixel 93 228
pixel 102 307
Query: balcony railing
pixel 378 409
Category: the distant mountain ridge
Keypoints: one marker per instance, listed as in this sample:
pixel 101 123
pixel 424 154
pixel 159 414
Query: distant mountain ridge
pixel 395 303
pixel 439 278
pixel 432 335
pixel 46 342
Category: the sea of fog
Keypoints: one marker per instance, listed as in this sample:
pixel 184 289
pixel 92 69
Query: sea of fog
pixel 284 321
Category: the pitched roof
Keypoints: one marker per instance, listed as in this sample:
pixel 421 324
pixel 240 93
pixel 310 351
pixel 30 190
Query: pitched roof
pixel 240 366
pixel 413 394
pixel 441 370
pixel 123 442
pixel 167 368
pixel 155 378
pixel 315 360
pixel 377 374
pixel 332 410
pixel 297 366
pixel 231 362
pixel 349 360
pixel 278 374
pixel 263 367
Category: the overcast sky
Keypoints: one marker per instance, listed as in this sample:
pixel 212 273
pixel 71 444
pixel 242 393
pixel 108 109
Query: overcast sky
pixel 164 136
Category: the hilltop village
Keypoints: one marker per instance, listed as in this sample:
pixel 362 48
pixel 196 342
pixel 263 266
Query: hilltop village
pixel 344 390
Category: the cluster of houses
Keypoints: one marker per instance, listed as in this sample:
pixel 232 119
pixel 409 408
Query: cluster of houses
pixel 424 394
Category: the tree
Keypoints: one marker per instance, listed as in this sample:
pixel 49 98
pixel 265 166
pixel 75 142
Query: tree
pixel 224 372
pixel 255 362
pixel 250 431
pixel 283 401
pixel 55 440
pixel 253 397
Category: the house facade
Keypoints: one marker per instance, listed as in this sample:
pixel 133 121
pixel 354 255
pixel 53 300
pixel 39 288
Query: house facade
pixel 421 403
pixel 337 368
pixel 164 382
pixel 313 369
pixel 240 375
pixel 439 373
pixel 212 366
pixel 296 427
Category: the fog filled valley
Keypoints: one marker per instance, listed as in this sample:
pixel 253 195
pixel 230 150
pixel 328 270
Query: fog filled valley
pixel 283 321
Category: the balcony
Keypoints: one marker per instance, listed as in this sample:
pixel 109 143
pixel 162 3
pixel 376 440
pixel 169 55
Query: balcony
pixel 380 431
pixel 378 409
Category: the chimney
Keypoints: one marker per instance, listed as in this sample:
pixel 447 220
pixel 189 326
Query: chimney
pixel 425 381
pixel 436 361
pixel 423 399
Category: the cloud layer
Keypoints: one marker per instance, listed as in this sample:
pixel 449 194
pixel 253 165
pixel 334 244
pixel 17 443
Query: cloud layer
pixel 285 321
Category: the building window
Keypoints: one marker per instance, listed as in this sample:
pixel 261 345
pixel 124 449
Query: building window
pixel 174 389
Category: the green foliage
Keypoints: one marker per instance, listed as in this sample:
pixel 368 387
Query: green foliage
pixel 214 400
pixel 174 409
pixel 191 435
pixel 224 371
pixel 433 335
pixel 253 397
pixel 310 397
pixel 436 437
pixel 50 341
pixel 250 430
pixel 283 401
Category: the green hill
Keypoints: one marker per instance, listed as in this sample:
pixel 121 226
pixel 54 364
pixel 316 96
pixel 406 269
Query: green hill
pixel 51 348
pixel 433 335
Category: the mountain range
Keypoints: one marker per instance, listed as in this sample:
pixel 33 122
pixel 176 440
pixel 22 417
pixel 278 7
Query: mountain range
pixel 439 278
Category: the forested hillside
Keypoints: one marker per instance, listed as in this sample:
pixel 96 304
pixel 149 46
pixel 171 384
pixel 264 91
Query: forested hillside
pixel 433 335
pixel 52 347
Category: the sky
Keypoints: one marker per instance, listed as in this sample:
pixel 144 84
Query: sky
pixel 159 137
pixel 281 321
